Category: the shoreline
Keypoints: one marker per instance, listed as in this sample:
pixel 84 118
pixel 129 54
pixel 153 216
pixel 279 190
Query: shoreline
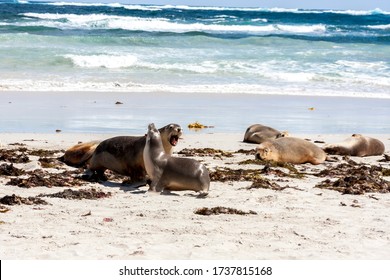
pixel 299 221
pixel 129 113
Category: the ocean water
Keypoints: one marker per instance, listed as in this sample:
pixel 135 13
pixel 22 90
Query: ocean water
pixel 142 48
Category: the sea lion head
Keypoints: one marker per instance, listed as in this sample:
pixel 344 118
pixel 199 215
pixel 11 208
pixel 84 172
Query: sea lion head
pixel 263 151
pixel 171 133
pixel 282 134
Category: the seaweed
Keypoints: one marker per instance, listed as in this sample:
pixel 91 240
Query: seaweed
pixel 10 170
pixel 227 174
pixel 14 156
pixel 205 211
pixel 205 152
pixel 356 180
pixel 14 199
pixel 263 183
pixel 79 194
pixel 41 178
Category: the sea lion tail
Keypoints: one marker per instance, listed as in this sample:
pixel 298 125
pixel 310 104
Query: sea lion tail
pixel 78 155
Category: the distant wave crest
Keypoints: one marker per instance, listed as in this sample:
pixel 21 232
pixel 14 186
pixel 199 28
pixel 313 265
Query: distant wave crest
pixel 101 21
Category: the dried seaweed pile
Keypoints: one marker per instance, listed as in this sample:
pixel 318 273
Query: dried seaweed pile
pixel 205 152
pixel 272 167
pixel 222 210
pixel 39 177
pixel 227 174
pixel 43 178
pixel 79 194
pixel 10 170
pixel 17 200
pixel 356 179
pixel 14 156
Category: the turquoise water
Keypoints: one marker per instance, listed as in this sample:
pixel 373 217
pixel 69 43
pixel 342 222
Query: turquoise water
pixel 143 48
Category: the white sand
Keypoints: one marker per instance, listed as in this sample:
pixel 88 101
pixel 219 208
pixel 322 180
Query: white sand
pixel 301 222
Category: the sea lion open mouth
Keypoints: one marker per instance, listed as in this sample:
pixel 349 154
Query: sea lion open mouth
pixel 174 140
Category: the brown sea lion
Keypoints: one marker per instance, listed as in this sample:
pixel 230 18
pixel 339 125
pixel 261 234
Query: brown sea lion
pixel 356 145
pixel 121 154
pixel 172 173
pixel 291 150
pixel 79 154
pixel 258 133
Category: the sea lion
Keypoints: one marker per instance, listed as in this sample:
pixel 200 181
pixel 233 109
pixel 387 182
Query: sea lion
pixel 291 150
pixel 169 173
pixel 121 154
pixel 79 154
pixel 258 133
pixel 356 145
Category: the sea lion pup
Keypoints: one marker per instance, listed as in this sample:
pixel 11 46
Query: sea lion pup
pixel 258 133
pixel 291 150
pixel 124 154
pixel 172 173
pixel 356 145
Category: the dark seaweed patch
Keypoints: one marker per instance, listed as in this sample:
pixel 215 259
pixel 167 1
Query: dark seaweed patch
pixel 205 152
pixel 227 174
pixel 40 178
pixel 10 170
pixel 14 156
pixel 222 210
pixel 263 183
pixel 79 194
pixel 356 180
pixel 14 199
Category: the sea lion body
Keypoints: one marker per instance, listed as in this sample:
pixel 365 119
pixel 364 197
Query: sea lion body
pixel 124 154
pixel 79 154
pixel 291 150
pixel 357 145
pixel 258 133
pixel 172 173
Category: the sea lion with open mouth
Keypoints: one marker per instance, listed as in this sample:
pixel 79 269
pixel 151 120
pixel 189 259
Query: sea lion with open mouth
pixel 168 173
pixel 122 154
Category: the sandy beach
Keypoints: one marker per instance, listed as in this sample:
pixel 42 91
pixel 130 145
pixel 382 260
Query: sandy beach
pixel 286 216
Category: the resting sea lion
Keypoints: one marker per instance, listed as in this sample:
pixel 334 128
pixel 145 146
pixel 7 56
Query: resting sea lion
pixel 121 154
pixel 290 149
pixel 258 133
pixel 172 173
pixel 357 145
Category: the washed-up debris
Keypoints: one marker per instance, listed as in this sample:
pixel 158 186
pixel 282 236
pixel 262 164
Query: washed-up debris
pixel 356 179
pixel 386 158
pixel 40 178
pixel 246 152
pixel 294 173
pixel 346 169
pixel 14 199
pixel 227 174
pixel 197 125
pixel 79 194
pixel 222 210
pixel 10 170
pixel 3 209
pixel 14 156
pixel 263 183
pixel 203 152
pixel 48 162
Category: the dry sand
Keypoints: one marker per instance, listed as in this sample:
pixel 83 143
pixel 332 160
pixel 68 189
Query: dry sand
pixel 296 222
